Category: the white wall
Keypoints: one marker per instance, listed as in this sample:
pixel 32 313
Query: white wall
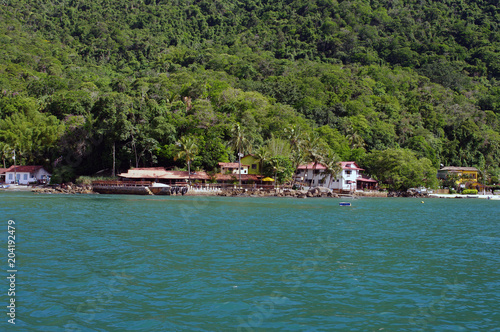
pixel 26 177
pixel 339 183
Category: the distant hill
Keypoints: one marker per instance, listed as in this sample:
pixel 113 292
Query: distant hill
pixel 136 76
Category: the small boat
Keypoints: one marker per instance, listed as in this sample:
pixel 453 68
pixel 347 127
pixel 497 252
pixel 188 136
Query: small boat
pixel 160 188
pixel 345 203
pixel 4 186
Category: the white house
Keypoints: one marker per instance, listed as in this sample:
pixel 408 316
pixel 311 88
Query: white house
pixel 347 180
pixel 27 174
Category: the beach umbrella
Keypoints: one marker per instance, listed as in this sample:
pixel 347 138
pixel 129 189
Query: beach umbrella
pixel 268 179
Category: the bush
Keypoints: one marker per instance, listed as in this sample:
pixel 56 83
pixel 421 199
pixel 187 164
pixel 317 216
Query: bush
pixel 469 192
pixel 452 191
pixel 87 180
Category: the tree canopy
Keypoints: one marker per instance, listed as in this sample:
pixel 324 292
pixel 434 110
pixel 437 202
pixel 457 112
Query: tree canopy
pixel 95 82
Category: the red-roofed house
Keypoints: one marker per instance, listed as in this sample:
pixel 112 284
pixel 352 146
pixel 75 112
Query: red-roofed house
pixel 347 180
pixel 232 168
pixel 27 174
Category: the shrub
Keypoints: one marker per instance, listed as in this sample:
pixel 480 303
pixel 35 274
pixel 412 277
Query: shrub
pixel 87 180
pixel 469 192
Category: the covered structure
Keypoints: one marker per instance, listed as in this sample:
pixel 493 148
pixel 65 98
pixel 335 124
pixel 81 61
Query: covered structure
pixel 349 179
pixel 232 168
pixel 160 174
pixel 363 182
pixel 27 174
pixel 464 174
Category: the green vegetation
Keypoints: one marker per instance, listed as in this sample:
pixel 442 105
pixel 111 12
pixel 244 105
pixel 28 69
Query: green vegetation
pixel 112 85
pixel 469 192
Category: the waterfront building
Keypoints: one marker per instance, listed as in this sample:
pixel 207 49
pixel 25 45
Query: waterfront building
pixel 26 175
pixel 349 179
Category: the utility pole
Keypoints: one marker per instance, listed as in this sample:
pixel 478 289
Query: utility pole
pixel 239 165
pixel 15 172
pixel 484 182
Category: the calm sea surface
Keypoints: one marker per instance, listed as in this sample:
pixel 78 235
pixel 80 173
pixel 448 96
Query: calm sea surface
pixel 131 263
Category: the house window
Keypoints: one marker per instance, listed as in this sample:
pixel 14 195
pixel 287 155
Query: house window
pixel 25 177
pixel 346 181
pixel 254 166
pixel 348 172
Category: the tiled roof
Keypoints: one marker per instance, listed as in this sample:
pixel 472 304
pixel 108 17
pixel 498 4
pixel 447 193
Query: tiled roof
pixel 350 165
pixel 311 166
pixel 3 170
pixel 229 177
pixel 459 169
pixel 23 169
pixel 363 179
pixel 161 173
pixel 229 165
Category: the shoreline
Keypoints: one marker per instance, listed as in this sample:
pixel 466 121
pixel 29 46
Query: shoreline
pixel 312 193
pixel 490 197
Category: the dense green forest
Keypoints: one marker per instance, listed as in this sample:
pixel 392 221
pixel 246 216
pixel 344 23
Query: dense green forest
pixel 86 85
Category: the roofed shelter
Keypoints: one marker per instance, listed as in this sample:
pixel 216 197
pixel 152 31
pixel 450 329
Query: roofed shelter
pixel 465 174
pixel 159 174
pixel 26 174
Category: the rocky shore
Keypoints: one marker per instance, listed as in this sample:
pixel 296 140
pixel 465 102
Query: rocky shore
pixel 232 192
pixel 315 192
pixel 68 189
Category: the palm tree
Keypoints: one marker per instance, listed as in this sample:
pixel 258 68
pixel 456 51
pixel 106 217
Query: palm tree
pixel 333 167
pixel 296 139
pixel 240 143
pixel 298 158
pixel 355 140
pixel 187 150
pixel 314 150
pixel 262 156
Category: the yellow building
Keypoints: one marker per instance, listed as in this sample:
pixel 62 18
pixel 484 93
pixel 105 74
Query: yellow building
pixel 253 164
pixel 465 174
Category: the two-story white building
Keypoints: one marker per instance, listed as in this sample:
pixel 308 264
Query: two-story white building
pixel 346 180
pixel 26 175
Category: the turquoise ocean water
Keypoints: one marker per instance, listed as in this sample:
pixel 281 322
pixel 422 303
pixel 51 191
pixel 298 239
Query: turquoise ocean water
pixel 131 263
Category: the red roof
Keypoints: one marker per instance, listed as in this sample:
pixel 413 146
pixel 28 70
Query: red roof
pixel 3 170
pixel 350 165
pixel 361 179
pixel 229 165
pixel 311 166
pixel 229 177
pixel 23 169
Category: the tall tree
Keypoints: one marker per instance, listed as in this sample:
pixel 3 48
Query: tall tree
pixel 333 167
pixel 186 149
pixel 240 143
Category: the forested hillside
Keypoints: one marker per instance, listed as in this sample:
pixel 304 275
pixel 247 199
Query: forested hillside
pixel 83 81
